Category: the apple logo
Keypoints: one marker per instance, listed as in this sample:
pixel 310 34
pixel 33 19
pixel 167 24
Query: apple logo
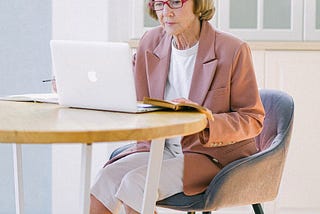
pixel 92 76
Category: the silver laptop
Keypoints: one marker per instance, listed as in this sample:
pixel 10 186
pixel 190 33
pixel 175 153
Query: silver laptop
pixel 95 75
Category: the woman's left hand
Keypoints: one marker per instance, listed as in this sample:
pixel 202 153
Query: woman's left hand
pixel 206 111
pixel 184 100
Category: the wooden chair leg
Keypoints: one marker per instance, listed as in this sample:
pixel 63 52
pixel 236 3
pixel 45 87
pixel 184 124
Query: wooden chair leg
pixel 257 209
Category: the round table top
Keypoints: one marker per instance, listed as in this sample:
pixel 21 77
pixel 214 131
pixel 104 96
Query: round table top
pixel 28 122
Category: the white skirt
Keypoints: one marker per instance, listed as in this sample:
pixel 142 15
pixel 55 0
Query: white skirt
pixel 124 180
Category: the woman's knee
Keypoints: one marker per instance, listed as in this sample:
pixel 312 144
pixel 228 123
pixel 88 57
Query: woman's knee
pixel 134 179
pixel 96 207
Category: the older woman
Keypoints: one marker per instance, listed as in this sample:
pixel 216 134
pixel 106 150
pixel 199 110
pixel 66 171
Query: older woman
pixel 187 60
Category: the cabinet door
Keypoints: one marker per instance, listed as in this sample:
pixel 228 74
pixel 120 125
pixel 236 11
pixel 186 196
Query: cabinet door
pixel 262 19
pixel 298 74
pixel 312 20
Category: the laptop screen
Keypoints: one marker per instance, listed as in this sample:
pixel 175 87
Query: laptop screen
pixel 95 75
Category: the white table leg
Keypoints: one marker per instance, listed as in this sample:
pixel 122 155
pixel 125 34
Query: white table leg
pixel 86 156
pixel 153 176
pixel 18 185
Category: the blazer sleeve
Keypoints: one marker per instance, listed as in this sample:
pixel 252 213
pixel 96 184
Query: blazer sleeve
pixel 246 113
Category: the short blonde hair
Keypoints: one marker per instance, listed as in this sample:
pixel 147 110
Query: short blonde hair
pixel 205 9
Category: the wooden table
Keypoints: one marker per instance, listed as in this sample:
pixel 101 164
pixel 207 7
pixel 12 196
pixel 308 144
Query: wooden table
pixel 41 123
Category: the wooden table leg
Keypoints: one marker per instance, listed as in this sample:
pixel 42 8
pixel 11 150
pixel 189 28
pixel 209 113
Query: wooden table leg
pixel 86 157
pixel 153 176
pixel 18 176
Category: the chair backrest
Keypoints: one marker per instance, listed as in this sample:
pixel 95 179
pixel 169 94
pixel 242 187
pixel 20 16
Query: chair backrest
pixel 254 179
pixel 279 109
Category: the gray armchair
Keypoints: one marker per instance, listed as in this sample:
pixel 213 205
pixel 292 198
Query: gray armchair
pixel 251 180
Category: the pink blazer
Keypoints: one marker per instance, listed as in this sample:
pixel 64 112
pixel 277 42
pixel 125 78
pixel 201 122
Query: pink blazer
pixel 224 82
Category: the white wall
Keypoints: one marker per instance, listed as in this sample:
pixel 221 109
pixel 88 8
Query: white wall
pixel 98 20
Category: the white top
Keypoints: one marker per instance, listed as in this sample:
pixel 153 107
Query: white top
pixel 180 73
pixel 178 83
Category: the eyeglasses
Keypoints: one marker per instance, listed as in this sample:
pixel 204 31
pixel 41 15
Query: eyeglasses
pixel 173 4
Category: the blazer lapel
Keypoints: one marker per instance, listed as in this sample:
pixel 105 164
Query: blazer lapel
pixel 205 65
pixel 158 63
